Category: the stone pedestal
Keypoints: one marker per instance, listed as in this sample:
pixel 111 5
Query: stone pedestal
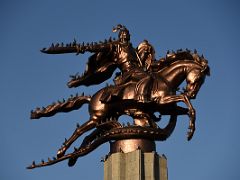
pixel 135 165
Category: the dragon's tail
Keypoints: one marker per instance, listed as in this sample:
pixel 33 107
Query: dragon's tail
pixel 72 103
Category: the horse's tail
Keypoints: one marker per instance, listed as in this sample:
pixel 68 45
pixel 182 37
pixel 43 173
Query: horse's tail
pixel 72 103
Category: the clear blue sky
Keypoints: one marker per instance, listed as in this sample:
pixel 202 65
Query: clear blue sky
pixel 30 78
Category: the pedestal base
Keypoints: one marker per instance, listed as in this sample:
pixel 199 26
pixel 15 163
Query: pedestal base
pixel 130 145
pixel 135 165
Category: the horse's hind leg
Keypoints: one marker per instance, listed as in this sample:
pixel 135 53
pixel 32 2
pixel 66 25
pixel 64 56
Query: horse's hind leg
pixel 86 140
pixel 97 113
pixel 77 133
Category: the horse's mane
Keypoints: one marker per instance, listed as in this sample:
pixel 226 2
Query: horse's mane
pixel 179 55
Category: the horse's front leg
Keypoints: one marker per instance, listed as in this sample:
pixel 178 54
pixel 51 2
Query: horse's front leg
pixel 191 110
pixel 192 116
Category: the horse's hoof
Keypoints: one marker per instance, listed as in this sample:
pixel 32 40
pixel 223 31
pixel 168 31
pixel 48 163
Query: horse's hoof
pixel 190 134
pixel 72 162
pixel 189 137
pixel 61 152
pixel 34 115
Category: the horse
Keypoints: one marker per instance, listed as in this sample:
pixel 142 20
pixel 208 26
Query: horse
pixel 163 97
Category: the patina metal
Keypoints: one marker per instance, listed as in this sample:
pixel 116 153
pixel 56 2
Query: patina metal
pixel 143 87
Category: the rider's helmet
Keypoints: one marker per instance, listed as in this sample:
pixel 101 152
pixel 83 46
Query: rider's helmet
pixel 123 35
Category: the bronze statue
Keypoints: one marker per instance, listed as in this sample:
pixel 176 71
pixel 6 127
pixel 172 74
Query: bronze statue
pixel 143 87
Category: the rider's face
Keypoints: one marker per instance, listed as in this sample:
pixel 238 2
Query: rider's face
pixel 124 37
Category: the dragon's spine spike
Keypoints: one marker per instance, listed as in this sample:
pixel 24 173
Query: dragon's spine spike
pixel 78 125
pixel 54 158
pixel 74 42
pixel 110 39
pixel 91 44
pixel 71 97
pixel 65 140
pixel 49 160
pixel 42 161
pixel 102 159
pixel 195 51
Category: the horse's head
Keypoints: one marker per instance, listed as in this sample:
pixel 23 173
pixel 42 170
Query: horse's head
pixel 196 76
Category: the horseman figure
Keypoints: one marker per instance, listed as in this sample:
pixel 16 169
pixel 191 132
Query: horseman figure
pixel 130 61
pixel 144 86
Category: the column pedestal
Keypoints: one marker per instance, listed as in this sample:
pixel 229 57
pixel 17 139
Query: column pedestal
pixel 135 164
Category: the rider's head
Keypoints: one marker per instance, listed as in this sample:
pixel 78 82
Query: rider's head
pixel 146 53
pixel 124 35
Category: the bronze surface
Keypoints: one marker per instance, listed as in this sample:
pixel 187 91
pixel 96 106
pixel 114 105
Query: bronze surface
pixel 130 145
pixel 143 87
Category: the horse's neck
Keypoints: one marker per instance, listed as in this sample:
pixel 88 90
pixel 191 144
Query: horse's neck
pixel 176 73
